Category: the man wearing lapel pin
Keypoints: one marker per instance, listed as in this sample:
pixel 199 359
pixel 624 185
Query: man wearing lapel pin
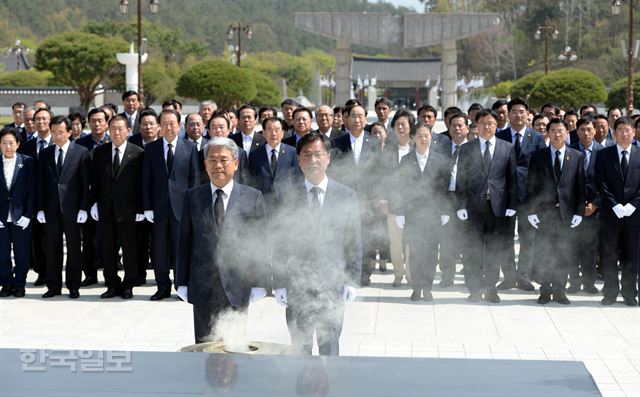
pixel 117 196
pixel 247 138
pixel 215 273
pixel 555 187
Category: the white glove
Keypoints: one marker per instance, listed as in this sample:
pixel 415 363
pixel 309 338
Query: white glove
pixel 40 217
pixel 281 296
pixel 575 221
pixel 400 221
pixel 619 211
pixel 462 214
pixel 629 209
pixel 82 216
pixel 444 219
pixel 509 213
pixel 182 293
pixel 349 293
pixel 257 294
pixel 139 217
pixel 533 220
pixel 23 222
pixel 149 215
pixel 1 225
pixel 94 212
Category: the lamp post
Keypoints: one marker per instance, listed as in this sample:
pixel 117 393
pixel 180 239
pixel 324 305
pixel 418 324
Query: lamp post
pixel 153 8
pixel 615 10
pixel 239 30
pixel 543 31
pixel 568 55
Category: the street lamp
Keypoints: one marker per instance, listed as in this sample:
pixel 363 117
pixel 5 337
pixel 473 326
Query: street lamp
pixel 616 7
pixel 153 8
pixel 544 31
pixel 239 31
pixel 568 55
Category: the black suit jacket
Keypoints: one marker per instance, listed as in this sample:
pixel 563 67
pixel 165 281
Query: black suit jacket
pixel 473 180
pixel 69 191
pixel 20 197
pixel 163 192
pixel 215 264
pixel 333 133
pixel 613 188
pixel 291 140
pixel 590 189
pixel 118 196
pixel 257 141
pixel 88 142
pixel 136 139
pixel 545 192
pixel 360 176
pixel 135 128
pixel 29 148
pixel 260 172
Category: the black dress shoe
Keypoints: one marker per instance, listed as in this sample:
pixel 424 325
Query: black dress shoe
pixel 397 282
pixel 525 285
pixel 51 293
pixel 18 292
pixel 74 294
pixel 140 282
pixel 561 298
pixel 110 293
pixel 506 284
pixel 383 267
pixel 474 297
pixel 630 301
pixel 6 291
pixel 159 295
pixel 573 288
pixel 608 300
pixel 427 296
pixel 415 295
pixel 365 282
pixel 543 299
pixel 126 293
pixel 40 281
pixel 590 289
pixel 492 297
pixel 446 282
pixel 89 281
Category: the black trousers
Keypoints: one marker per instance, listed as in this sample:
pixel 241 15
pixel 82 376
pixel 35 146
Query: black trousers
pixel 37 255
pixel 526 237
pixel 55 227
pixel 205 317
pixel 483 253
pixel 622 235
pixel 164 247
pixel 583 269
pixel 451 239
pixel 115 234
pixel 423 257
pixel 89 252
pixel 554 243
pixel 143 231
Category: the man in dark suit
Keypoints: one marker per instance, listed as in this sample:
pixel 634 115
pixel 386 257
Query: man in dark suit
pixel 618 181
pixel 318 269
pixel 382 108
pixel 219 125
pixel 354 160
pixel 32 147
pixel 91 244
pixel 17 111
pixel 324 119
pixel 194 130
pixel 170 167
pixel 149 128
pixel 116 191
pixel 486 189
pixel 214 272
pixel 247 138
pixel 17 202
pixel 63 201
pixel 586 236
pixel 131 103
pixel 301 125
pixel 525 141
pixel 274 164
pixel 555 187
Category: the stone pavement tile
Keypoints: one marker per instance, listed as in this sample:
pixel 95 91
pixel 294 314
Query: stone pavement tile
pixel 619 365
pixel 451 354
pixel 477 348
pixel 614 394
pixel 631 377
pixel 631 390
pixel 477 355
pixel 423 354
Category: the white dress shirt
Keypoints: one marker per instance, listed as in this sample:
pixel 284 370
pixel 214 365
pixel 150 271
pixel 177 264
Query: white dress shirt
pixel 9 167
pixel 422 159
pixel 47 141
pixel 268 148
pixel 173 143
pixel 403 151
pixel 226 193
pixel 121 149
pixel 356 145
pixel 454 169
pixel 553 154
pixel 483 145
pixel 246 141
pixel 197 142
pixel 620 149
pixel 65 151
pixel 323 190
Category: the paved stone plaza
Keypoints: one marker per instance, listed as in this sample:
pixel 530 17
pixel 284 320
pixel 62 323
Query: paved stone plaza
pixel 382 322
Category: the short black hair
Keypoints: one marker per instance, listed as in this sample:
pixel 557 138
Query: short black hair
pixel 18 105
pixel 498 104
pixel 289 102
pixel 451 110
pixel 245 106
pixel 403 113
pixel 312 137
pixel 383 100
pixel 557 120
pixel 169 111
pixel 219 114
pixel 98 110
pixel 129 93
pixel 556 108
pixel 626 120
pixel 78 116
pixel 10 131
pixel 120 117
pixel 149 112
pixel 538 117
pixel 272 120
pixel 416 127
pixel 517 101
pixel 486 112
pixel 474 106
pixel 584 120
pixel 611 109
pixel 266 109
pixel 349 108
pixel 302 109
pixel 57 120
pixel 460 115
pixel 427 108
pixel 42 110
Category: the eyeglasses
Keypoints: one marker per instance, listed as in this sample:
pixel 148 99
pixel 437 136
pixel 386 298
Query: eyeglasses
pixel 309 155
pixel 223 162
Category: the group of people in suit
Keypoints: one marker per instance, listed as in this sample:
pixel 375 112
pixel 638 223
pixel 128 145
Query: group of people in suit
pixel 306 214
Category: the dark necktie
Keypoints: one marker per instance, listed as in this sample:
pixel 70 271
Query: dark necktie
pixel 315 200
pixel 516 145
pixel 42 144
pixel 587 160
pixel 59 162
pixel 624 164
pixel 486 158
pixel 557 170
pixel 274 162
pixel 169 158
pixel 197 146
pixel 218 208
pixel 116 162
pixel 456 148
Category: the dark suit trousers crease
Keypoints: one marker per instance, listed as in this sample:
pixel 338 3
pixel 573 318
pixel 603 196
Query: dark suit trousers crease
pixel 11 235
pixel 143 236
pixel 164 243
pixel 89 252
pixel 451 241
pixel 204 319
pixel 585 251
pixel 484 250
pixel 620 237
pixel 38 248
pixel 554 241
pixel 422 261
pixel 526 238
pixel 326 320
pixel 115 234
pixel 54 228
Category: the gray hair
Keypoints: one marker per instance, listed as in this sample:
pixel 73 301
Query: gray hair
pixel 222 142
pixel 208 103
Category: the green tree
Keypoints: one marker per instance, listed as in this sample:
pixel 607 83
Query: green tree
pixel 618 93
pixel 569 88
pixel 523 86
pixel 25 78
pixel 79 60
pixel 268 92
pixel 219 80
pixel 502 89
